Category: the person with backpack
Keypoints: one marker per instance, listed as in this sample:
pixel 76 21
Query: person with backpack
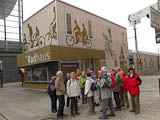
pixel 124 91
pixel 73 91
pixel 82 82
pixel 52 93
pixel 106 94
pixel 133 83
pixel 116 90
pixel 96 91
pixel 89 92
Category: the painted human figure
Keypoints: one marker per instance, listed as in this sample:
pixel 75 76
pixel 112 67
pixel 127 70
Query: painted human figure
pixel 53 25
pixel 77 32
pixel 31 35
pixel 84 35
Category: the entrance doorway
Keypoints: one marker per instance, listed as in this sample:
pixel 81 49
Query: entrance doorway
pixel 69 67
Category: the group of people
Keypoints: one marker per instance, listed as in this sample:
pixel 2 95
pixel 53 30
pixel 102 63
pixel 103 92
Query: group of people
pixel 95 89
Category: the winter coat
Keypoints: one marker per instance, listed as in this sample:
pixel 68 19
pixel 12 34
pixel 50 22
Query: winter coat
pixel 82 82
pixel 133 84
pixel 119 83
pixel 60 86
pixel 73 89
pixel 105 91
pixel 88 84
pixel 124 88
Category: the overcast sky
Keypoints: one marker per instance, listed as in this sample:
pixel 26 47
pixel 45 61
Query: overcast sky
pixel 114 10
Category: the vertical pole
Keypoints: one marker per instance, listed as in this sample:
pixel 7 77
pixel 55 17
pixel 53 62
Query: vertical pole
pixel 158 5
pixel 5 35
pixel 19 20
pixel 136 44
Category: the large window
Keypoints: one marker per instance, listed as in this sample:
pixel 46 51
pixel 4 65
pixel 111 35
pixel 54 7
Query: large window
pixel 28 74
pixel 69 23
pixel 36 74
pixel 40 74
pixel 89 64
pixel 90 29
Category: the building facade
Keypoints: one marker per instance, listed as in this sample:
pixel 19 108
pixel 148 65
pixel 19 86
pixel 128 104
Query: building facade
pixel 146 63
pixel 63 37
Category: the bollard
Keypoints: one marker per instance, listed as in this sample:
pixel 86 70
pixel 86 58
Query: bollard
pixel 159 85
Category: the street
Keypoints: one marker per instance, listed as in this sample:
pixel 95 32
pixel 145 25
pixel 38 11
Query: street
pixel 17 103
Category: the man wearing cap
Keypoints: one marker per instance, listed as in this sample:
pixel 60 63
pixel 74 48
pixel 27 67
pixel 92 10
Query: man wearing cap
pixel 117 89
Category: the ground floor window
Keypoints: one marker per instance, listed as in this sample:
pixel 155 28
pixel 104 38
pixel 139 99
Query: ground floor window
pixel 89 64
pixel 40 73
pixel 36 73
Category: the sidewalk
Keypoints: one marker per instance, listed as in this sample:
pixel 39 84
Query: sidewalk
pixel 17 103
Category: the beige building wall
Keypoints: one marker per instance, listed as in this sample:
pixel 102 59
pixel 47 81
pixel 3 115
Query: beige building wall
pixel 41 29
pixel 146 63
pixel 116 47
pixel 48 27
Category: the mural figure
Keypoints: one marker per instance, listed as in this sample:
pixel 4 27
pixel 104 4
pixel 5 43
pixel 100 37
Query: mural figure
pixel 84 35
pixel 52 34
pixel 121 57
pixel 123 40
pixel 26 47
pixel 79 37
pixel 36 36
pixel 109 52
pixel 77 32
pixel 110 35
pixel 30 35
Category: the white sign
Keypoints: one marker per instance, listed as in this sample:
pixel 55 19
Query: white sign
pixel 155 18
pixel 36 58
pixel 138 15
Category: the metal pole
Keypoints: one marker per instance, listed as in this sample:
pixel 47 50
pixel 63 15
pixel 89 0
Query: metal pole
pixel 5 35
pixel 19 19
pixel 136 44
pixel 158 5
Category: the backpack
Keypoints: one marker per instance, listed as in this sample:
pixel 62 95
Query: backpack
pixel 111 83
pixel 93 87
pixel 48 89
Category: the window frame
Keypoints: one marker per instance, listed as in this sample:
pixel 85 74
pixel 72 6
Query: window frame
pixel 88 20
pixel 66 24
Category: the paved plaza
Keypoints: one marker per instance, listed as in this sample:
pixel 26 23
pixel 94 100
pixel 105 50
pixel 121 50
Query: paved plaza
pixel 17 103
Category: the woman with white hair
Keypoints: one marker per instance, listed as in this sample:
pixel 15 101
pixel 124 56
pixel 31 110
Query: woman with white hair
pixel 73 91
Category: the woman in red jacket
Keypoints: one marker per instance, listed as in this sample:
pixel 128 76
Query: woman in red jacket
pixel 133 83
pixel 124 91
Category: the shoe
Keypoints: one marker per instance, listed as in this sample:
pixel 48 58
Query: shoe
pixel 64 115
pixel 60 117
pixel 122 105
pixel 117 109
pixel 73 115
pixel 102 117
pixel 132 111
pixel 100 110
pixel 137 113
pixel 77 113
pixel 54 111
pixel 91 113
pixel 112 115
pixel 97 104
pixel 127 106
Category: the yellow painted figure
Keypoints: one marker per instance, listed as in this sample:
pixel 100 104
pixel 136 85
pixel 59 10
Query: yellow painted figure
pixel 77 32
pixel 84 35
pixel 53 25
pixel 30 35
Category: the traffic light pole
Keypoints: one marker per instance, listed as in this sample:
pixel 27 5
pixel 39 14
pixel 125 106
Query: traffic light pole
pixel 135 33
